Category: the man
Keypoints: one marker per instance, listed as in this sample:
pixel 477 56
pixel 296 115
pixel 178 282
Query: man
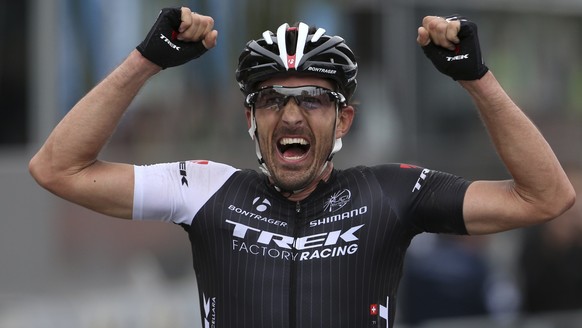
pixel 301 244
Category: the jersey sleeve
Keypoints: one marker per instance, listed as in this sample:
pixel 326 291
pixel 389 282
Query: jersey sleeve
pixel 431 201
pixel 175 192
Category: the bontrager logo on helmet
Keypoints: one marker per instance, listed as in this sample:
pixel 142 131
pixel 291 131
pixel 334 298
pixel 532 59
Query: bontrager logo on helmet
pixel 322 70
pixel 297 49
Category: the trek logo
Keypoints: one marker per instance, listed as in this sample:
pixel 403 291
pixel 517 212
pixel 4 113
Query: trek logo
pixel 209 311
pixel 300 243
pixel 183 173
pixel 420 180
pixel 322 245
pixel 457 57
pixel 337 200
pixel 170 43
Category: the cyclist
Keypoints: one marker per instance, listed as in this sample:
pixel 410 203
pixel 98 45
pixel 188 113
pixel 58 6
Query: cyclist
pixel 301 243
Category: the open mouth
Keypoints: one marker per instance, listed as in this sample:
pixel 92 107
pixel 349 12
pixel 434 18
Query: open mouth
pixel 293 148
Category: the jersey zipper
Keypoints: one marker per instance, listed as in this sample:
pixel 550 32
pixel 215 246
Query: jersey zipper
pixel 293 275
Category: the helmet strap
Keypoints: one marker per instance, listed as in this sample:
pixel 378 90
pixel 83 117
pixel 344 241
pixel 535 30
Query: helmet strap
pixel 253 134
pixel 337 144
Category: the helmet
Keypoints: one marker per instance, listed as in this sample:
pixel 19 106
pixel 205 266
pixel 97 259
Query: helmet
pixel 299 50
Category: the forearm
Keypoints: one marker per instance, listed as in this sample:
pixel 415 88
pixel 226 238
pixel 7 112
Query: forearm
pixel 77 140
pixel 538 178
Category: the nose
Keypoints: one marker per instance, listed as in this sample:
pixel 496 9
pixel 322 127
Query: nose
pixel 292 113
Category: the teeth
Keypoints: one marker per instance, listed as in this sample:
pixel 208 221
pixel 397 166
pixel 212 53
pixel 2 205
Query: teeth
pixel 290 141
pixel 292 158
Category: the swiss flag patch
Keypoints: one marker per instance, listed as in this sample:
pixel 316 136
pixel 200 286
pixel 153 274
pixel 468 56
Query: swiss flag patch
pixel 374 309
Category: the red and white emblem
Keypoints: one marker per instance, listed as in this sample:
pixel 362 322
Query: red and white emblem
pixel 374 309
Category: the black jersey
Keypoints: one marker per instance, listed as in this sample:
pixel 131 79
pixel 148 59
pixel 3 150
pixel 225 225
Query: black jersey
pixel 333 259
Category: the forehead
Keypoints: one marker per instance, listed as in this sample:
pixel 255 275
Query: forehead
pixel 297 81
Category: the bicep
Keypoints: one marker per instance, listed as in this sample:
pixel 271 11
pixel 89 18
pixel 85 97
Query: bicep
pixel 104 187
pixel 496 206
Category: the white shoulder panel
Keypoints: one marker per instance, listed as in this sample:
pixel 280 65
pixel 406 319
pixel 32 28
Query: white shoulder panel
pixel 175 192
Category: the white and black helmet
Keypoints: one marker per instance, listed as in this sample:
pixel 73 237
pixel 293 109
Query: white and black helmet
pixel 299 49
pixel 304 50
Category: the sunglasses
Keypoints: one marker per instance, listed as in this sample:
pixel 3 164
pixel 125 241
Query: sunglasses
pixel 307 97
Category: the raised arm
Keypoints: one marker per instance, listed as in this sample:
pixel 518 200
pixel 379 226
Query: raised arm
pixel 539 190
pixel 67 163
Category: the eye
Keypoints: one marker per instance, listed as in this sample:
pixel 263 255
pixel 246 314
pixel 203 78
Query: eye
pixel 270 100
pixel 309 102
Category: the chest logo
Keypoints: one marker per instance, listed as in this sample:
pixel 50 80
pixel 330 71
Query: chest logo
pixel 337 200
pixel 261 204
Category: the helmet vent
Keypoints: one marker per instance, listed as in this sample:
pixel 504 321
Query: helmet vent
pixel 291 40
pixel 267 35
pixel 301 49
pixel 320 31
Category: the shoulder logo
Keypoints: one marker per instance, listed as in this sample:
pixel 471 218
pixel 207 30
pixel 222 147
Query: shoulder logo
pixel 420 180
pixel 337 200
pixel 183 173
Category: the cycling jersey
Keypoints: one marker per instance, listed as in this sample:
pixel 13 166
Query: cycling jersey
pixel 333 259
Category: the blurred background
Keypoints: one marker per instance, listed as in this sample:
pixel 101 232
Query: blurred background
pixel 64 266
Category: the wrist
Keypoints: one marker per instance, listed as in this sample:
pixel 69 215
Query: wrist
pixel 479 85
pixel 133 72
pixel 488 94
pixel 139 63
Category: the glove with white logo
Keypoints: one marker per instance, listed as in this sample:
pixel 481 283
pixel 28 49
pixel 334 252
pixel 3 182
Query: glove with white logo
pixel 161 46
pixel 465 62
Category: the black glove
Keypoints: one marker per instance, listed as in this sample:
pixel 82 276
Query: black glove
pixel 465 62
pixel 161 46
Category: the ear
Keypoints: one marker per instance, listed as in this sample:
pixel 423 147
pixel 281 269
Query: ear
pixel 344 122
pixel 248 115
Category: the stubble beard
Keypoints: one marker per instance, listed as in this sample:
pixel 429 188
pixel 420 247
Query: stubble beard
pixel 294 180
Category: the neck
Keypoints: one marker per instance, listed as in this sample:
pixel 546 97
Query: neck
pixel 301 195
